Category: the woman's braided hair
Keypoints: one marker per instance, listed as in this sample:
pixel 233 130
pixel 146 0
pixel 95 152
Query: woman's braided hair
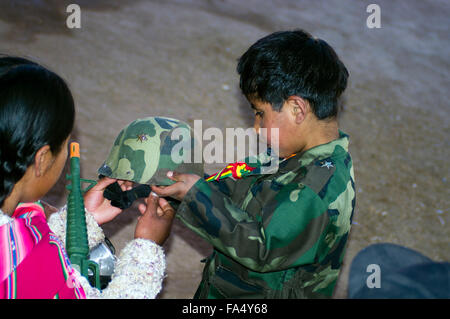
pixel 36 109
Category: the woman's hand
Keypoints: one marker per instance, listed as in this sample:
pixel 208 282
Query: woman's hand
pixel 179 189
pixel 99 206
pixel 156 220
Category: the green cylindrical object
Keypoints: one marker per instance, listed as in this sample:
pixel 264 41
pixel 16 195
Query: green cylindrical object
pixel 77 245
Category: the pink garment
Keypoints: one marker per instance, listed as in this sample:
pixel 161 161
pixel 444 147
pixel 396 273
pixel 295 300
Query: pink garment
pixel 33 261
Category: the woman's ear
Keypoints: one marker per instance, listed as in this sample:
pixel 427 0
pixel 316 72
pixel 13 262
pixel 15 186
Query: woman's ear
pixel 42 160
pixel 299 108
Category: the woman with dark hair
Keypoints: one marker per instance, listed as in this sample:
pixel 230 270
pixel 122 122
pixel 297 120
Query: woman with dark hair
pixel 36 118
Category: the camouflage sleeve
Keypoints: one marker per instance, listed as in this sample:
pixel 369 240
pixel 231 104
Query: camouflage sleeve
pixel 287 232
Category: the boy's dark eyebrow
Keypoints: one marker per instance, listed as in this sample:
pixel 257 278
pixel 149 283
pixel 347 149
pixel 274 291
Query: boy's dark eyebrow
pixel 253 106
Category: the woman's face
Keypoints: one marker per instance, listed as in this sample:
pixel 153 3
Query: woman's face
pixel 52 168
pixel 54 172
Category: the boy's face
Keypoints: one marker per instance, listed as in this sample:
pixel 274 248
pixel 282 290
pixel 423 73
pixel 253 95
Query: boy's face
pixel 286 121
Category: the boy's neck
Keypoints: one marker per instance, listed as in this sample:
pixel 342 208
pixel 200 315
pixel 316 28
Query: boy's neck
pixel 324 132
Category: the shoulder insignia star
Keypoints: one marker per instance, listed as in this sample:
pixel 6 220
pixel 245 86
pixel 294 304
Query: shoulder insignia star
pixel 327 164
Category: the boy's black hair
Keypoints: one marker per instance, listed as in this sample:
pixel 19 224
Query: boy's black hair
pixel 36 109
pixel 289 63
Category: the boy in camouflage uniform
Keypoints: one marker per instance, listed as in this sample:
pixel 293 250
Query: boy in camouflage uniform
pixel 279 235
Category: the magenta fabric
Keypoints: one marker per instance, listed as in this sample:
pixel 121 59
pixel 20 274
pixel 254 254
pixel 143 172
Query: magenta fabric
pixel 33 261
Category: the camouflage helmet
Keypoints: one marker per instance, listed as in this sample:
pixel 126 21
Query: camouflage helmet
pixel 145 150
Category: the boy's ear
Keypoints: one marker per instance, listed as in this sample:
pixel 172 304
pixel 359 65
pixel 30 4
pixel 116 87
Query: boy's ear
pixel 42 160
pixel 299 108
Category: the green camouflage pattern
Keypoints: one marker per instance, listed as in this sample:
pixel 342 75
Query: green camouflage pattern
pixel 142 152
pixel 279 235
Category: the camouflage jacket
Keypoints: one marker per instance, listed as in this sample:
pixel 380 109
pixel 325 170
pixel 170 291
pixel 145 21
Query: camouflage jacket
pixel 279 235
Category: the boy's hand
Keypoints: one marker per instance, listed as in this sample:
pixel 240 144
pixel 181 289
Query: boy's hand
pixel 156 220
pixel 99 206
pixel 179 189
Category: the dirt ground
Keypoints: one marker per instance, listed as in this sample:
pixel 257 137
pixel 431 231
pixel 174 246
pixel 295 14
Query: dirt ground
pixel 137 58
